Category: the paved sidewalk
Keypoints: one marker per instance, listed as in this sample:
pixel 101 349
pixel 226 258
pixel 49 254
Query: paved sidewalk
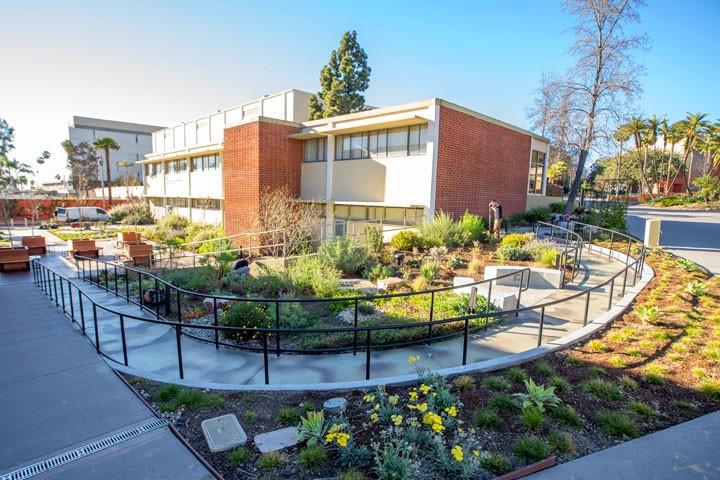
pixel 56 394
pixel 687 451
pixel 152 348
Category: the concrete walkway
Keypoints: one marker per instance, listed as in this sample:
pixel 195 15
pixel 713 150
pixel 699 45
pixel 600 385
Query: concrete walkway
pixel 152 348
pixel 693 234
pixel 56 395
pixel 687 451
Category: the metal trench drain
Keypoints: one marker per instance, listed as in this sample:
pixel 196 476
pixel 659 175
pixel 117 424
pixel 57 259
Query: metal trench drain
pixel 83 451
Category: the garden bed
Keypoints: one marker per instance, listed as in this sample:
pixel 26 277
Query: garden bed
pixel 656 366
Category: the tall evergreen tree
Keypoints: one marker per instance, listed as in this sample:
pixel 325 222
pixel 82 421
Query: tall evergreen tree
pixel 342 81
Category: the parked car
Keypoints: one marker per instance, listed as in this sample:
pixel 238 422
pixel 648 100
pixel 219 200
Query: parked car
pixel 81 214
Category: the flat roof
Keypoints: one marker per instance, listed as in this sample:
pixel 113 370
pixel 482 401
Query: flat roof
pixel 112 125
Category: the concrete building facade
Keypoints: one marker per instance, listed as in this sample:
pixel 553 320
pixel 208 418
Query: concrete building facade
pixel 135 142
pixel 397 164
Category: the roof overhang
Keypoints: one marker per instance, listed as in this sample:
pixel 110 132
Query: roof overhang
pixel 183 153
pixel 342 127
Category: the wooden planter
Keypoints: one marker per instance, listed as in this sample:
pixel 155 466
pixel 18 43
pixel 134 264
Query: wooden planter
pixel 36 244
pixel 139 254
pixel 83 248
pixel 17 258
pixel 129 238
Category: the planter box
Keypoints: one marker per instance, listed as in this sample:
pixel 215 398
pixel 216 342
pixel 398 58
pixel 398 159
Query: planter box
pixel 139 253
pixel 36 244
pixel 83 248
pixel 125 238
pixel 14 259
pixel 539 277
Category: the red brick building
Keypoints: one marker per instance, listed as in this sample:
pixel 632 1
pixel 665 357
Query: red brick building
pixel 395 164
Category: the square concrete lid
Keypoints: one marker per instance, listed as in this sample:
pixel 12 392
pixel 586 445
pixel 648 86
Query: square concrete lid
pixel 223 433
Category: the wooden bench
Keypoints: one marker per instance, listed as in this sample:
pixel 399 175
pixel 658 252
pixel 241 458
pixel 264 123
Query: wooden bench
pixel 17 258
pixel 83 248
pixel 129 238
pixel 36 244
pixel 139 254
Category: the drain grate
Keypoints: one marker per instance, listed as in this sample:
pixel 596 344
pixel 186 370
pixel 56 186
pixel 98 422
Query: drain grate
pixel 84 451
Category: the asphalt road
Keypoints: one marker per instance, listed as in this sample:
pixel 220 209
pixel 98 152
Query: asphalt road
pixel 693 234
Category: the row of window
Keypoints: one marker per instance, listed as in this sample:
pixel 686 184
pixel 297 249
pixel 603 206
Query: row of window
pixel 182 202
pixel 198 164
pixel 393 142
pixel 537 172
pixel 389 215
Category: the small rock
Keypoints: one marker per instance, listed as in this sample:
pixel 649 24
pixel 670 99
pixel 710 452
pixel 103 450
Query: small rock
pixel 390 283
pixel 277 439
pixel 335 405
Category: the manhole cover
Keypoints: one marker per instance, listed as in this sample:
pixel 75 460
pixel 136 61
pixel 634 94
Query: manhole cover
pixel 223 433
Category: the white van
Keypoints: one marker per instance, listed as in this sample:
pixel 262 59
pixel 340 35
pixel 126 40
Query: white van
pixel 81 214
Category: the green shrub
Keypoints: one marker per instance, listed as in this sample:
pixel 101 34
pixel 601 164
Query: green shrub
pixel 464 383
pixel 602 389
pixel 132 214
pixel 710 387
pixel 496 384
pixel 172 396
pixel 406 241
pixel 310 275
pixel 430 270
pixel 393 461
pixel 516 375
pixel 378 272
pixel 293 315
pixel 567 415
pixel 538 214
pixel 531 449
pixel 343 254
pixel 561 442
pixel 532 418
pixel 249 415
pixel 251 315
pixel 549 257
pixel 455 262
pixel 486 418
pixel 313 457
pixel 617 424
pixel 271 460
pixel 269 283
pixel 351 474
pixel 537 396
pixel 503 403
pixel 172 228
pixel 200 279
pixel 238 456
pixel 495 462
pixel 708 187
pixel 313 427
pixel 518 240
pixel 288 416
pixel 642 409
pixel 512 253
pixel 374 239
pixel 473 227
pixel 627 383
pixel 353 455
pixel 544 369
pixel 559 383
pixel 442 230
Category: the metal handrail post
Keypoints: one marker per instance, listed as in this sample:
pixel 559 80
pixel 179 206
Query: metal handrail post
pixel 610 297
pixel 215 322
pixel 432 313
pixel 124 341
pixel 179 351
pixel 587 308
pixel 367 355
pixel 277 328
pixel 266 364
pixel 97 333
pixel 542 324
pixel 355 326
pixel 466 333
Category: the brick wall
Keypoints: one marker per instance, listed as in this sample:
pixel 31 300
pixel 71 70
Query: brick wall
pixel 478 161
pixel 20 209
pixel 257 156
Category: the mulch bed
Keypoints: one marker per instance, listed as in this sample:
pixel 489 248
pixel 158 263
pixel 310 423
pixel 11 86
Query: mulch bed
pixel 681 341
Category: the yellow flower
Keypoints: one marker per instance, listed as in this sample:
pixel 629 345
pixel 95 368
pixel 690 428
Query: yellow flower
pixel 414 359
pixel 377 407
pixel 425 388
pixel 452 411
pixel 330 437
pixel 396 419
pixel 413 395
pixel 336 428
pixel 342 439
pixel 369 398
pixel 438 427
pixel 422 407
pixel 457 453
pixel 374 417
pixel 393 399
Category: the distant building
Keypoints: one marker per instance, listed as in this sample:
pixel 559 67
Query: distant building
pixel 135 142
pixel 398 164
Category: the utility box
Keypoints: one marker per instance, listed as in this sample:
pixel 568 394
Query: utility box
pixel 652 233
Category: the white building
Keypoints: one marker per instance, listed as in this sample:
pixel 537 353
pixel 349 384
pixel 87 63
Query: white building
pixel 135 142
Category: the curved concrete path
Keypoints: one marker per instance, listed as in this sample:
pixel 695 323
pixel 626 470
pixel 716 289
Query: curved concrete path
pixel 152 348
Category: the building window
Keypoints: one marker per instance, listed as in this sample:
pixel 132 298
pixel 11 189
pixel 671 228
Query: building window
pixel 315 150
pixel 393 142
pixel 537 172
pixel 177 202
pixel 205 162
pixel 386 215
pixel 153 169
pixel 206 203
pixel 176 166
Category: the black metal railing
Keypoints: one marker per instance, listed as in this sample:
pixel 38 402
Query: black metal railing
pixel 571 255
pixel 48 280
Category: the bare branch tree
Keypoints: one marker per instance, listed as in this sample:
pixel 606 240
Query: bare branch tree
pixel 595 94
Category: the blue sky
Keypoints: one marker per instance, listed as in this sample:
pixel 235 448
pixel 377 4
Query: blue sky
pixel 165 62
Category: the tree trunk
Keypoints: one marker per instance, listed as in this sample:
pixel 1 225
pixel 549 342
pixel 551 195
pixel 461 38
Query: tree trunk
pixel 688 171
pixel 6 216
pixel 572 195
pixel 109 180
pixel 669 169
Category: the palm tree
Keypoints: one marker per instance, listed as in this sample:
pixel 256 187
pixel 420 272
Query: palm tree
pixel 691 127
pixel 621 136
pixel 674 136
pixel 637 129
pixel 709 142
pixel 651 134
pixel 106 144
